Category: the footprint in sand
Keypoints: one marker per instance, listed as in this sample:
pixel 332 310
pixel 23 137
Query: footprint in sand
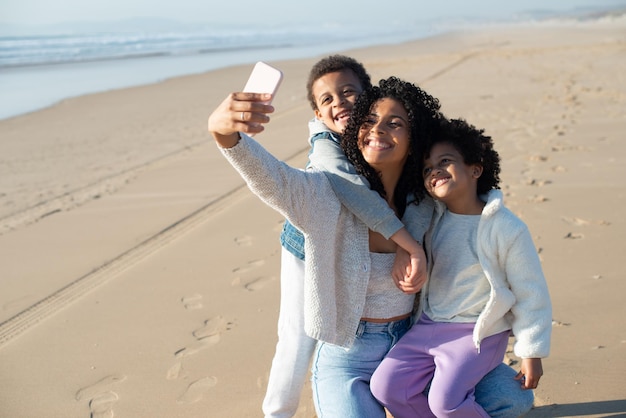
pixel 206 336
pixel 538 158
pixel 102 405
pixel 192 302
pixel 560 148
pixel 197 389
pixel 89 392
pixel 573 235
pixel 584 222
pixel 258 283
pixel 101 399
pixel 251 265
pixel 177 370
pixel 556 323
pixel 199 345
pixel 576 221
pixel 537 199
pixel 539 183
pixel 244 241
pixel 213 326
pixel 559 169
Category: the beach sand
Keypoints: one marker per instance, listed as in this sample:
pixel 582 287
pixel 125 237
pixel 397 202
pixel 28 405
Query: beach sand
pixel 139 276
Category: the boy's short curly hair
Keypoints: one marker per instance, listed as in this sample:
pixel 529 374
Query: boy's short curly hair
pixel 332 64
pixel 424 119
pixel 474 146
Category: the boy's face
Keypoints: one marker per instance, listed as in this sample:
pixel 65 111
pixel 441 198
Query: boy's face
pixel 447 177
pixel 335 94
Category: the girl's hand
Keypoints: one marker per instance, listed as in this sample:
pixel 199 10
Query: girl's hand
pixel 530 373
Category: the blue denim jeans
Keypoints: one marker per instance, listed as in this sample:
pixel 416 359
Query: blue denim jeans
pixel 292 240
pixel 501 396
pixel 341 377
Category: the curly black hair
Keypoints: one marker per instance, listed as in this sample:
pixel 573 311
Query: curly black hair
pixel 333 64
pixel 424 118
pixel 474 146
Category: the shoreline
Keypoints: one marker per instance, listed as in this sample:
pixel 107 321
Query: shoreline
pixel 176 263
pixel 53 79
pixel 94 76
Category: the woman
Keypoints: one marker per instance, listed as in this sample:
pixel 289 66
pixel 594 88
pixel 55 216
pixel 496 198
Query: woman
pixel 352 305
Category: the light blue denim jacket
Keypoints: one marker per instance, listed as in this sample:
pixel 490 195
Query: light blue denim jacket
pixel 366 204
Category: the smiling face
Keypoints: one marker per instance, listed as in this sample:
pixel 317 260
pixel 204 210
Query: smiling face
pixel 448 179
pixel 384 136
pixel 335 94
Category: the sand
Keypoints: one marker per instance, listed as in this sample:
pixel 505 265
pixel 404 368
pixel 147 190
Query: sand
pixel 139 277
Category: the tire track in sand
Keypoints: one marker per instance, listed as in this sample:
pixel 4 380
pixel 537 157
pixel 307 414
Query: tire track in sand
pixel 19 323
pixel 47 306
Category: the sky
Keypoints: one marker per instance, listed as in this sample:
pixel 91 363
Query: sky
pixel 37 12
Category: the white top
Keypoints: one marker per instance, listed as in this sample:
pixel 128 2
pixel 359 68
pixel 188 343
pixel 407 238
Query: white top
pixel 383 298
pixel 458 289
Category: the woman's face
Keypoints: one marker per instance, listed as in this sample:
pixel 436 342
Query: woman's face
pixel 384 136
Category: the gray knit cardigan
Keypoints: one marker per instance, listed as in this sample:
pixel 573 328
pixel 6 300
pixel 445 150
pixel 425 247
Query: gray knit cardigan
pixel 337 264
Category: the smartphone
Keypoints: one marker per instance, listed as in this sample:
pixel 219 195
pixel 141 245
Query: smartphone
pixel 264 79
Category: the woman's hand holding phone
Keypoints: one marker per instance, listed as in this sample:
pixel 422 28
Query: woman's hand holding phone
pixel 246 111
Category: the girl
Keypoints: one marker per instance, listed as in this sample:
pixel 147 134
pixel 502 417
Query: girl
pixel 485 279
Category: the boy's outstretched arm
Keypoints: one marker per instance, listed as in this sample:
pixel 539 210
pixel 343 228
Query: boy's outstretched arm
pixel 366 204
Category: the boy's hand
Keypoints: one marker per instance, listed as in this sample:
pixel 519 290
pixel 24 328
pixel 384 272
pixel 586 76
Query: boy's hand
pixel 409 269
pixel 239 112
pixel 530 373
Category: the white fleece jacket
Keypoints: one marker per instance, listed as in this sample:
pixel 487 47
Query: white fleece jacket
pixel 519 299
pixel 337 264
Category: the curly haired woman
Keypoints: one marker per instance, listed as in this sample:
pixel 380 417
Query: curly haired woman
pixel 352 305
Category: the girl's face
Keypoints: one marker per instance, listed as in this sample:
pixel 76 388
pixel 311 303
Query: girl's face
pixel 448 178
pixel 335 94
pixel 384 136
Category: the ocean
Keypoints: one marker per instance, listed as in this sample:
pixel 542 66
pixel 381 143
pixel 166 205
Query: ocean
pixel 38 70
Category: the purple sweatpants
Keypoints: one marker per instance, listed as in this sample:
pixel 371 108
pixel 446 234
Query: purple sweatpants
pixel 445 353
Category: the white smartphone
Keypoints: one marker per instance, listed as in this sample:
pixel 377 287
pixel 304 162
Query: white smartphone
pixel 264 79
